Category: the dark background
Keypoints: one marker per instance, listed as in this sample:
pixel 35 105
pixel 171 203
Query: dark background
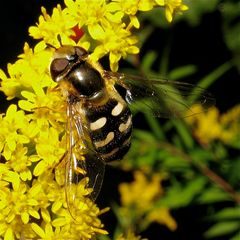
pixel 203 46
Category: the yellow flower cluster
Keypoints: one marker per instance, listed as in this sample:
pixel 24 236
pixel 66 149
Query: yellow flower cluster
pixel 32 197
pixel 211 125
pixel 106 25
pixel 129 236
pixel 138 200
pixel 32 136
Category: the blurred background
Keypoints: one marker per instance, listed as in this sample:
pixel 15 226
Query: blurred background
pixel 196 159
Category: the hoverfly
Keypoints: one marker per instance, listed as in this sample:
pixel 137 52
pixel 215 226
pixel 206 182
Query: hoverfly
pixel 99 125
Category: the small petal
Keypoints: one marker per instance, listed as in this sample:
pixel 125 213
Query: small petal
pixel 25 217
pixel 96 31
pixel 9 235
pixel 38 230
pixel 40 168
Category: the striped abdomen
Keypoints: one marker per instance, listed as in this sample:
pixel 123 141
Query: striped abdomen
pixel 110 128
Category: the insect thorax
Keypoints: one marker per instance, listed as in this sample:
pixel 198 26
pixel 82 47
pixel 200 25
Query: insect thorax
pixel 86 80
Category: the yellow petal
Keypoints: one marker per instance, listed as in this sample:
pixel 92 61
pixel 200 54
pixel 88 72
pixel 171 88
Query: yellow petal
pixel 13 177
pixel 160 2
pixel 135 22
pixel 34 213
pixel 144 5
pixel 56 206
pixel 38 230
pixel 26 105
pixel 59 222
pixel 96 31
pixel 49 230
pixel 9 234
pixel 25 217
pixel 28 95
pixel 168 14
pixel 40 168
pixel 35 189
pixel 45 215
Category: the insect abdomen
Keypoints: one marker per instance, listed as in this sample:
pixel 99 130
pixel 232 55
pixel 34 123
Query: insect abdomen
pixel 110 129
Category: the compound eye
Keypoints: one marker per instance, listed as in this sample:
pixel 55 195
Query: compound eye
pixel 58 66
pixel 80 51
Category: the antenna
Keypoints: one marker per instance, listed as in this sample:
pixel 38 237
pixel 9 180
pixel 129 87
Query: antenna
pixel 59 40
pixel 51 46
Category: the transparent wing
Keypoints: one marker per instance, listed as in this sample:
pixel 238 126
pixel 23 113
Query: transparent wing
pixel 164 98
pixel 84 168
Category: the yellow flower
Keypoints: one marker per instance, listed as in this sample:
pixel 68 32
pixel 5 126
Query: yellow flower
pixel 230 122
pixel 29 69
pixel 139 200
pixel 46 232
pixel 16 207
pixel 93 14
pixel 171 7
pixel 127 7
pixel 210 126
pixel 47 108
pixel 162 215
pixel 12 126
pixel 141 193
pixel 20 162
pixel 116 40
pixel 144 5
pixel 128 236
pixel 49 149
pixel 32 143
pixel 50 26
pixel 203 121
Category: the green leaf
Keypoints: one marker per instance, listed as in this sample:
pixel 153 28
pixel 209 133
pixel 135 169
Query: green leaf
pixel 222 228
pixel 144 135
pixel 103 237
pixel 179 196
pixel 210 79
pixel 164 61
pixel 155 126
pixel 236 236
pixel 173 163
pixel 148 60
pixel 184 133
pixel 212 195
pixel 234 171
pixel 227 214
pixel 182 72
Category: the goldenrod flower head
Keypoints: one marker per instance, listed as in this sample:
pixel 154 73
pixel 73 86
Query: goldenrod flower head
pixel 130 235
pixel 211 125
pixel 162 216
pixel 118 42
pixel 138 200
pixel 30 68
pixel 32 143
pixel 106 25
pixel 172 7
pixel 50 26
pixel 141 192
